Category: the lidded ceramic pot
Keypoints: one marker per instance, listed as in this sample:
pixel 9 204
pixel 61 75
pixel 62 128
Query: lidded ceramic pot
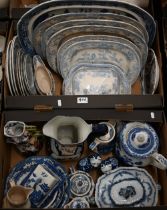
pixel 138 146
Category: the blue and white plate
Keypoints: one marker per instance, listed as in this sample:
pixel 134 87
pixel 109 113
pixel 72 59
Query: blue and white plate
pixel 63 48
pixel 70 23
pixel 96 79
pixel 44 25
pixel 126 187
pixel 46 176
pixel 31 19
pixel 101 52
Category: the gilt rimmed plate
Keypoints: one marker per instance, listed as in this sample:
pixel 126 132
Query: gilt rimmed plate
pixel 96 79
pixel 62 25
pixel 44 25
pixel 57 39
pixel 24 23
pixel 102 52
pixel 126 187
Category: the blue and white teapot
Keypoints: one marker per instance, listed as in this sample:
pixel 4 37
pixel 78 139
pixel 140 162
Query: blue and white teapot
pixel 138 144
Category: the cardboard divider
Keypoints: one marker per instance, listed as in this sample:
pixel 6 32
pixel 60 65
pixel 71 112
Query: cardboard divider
pixel 136 99
pixel 19 7
pixel 9 155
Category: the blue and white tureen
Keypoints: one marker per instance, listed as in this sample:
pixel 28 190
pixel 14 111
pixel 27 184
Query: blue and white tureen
pixel 126 187
pixel 138 145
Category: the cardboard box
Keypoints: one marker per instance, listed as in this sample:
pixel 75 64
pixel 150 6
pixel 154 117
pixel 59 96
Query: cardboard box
pixel 19 7
pixel 118 102
pixel 9 155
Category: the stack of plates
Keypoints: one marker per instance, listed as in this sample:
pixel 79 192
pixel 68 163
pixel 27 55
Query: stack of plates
pixel 77 36
pixel 50 182
pixel 19 70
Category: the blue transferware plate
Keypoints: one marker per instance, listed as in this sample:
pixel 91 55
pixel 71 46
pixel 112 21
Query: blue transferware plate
pixel 34 172
pixel 96 79
pixel 102 52
pixel 7 68
pixel 44 25
pixel 29 75
pixel 12 70
pixel 57 39
pixel 134 11
pixel 62 25
pixel 150 74
pixel 69 42
pixel 126 187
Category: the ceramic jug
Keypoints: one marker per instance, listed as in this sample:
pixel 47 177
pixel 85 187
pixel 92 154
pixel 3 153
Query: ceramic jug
pixel 18 197
pixel 138 144
pixel 70 133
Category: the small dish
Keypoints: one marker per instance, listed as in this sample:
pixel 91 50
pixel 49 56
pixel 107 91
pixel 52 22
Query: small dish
pixel 43 78
pixel 82 184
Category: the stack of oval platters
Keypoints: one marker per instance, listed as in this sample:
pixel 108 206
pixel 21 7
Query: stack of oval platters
pixel 93 47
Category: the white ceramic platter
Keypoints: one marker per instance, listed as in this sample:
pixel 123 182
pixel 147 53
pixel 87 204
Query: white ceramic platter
pixel 102 52
pixel 96 79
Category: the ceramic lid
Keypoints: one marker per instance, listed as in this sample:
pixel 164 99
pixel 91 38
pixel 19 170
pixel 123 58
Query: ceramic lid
pixel 139 140
pixel 82 184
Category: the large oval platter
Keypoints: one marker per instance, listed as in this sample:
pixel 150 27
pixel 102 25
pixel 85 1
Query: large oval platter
pixel 57 39
pixel 44 25
pixel 23 25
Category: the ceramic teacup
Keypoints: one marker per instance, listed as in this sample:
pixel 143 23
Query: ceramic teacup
pixel 108 165
pixel 95 160
pixel 138 146
pixel 85 165
pixel 105 139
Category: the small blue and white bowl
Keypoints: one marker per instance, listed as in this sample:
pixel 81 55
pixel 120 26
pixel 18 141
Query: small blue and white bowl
pixel 108 165
pixel 85 165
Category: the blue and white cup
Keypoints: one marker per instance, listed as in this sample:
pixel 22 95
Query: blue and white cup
pixel 85 165
pixel 95 160
pixel 108 165
pixel 103 140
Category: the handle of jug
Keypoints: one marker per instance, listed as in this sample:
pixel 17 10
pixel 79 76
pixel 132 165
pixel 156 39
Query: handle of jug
pixel 94 144
pixel 159 161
